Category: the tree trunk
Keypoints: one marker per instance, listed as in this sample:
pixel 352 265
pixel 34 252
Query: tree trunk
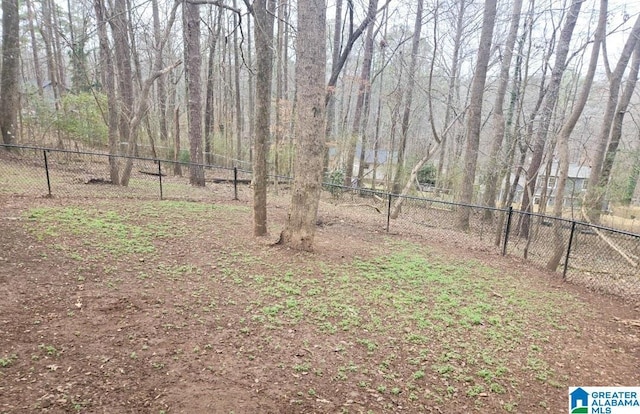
pixel 238 103
pixel 110 89
pixel 57 46
pixel 331 91
pixel 279 127
pixel 120 29
pixel 404 131
pixel 595 191
pixel 46 31
pixel 193 61
pixel 362 102
pixel 563 137
pixel 10 70
pixel 299 231
pixel 34 48
pixel 451 88
pixel 250 87
pixel 475 112
pixel 161 90
pixel 621 110
pixel 495 157
pixel 209 109
pixel 263 28
pixel 547 111
pixel 177 167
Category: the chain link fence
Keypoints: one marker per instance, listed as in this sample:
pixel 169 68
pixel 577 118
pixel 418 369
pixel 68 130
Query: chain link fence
pixel 601 258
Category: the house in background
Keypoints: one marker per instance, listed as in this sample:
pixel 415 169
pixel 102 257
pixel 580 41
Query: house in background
pixel 384 157
pixel 547 187
pixel 574 189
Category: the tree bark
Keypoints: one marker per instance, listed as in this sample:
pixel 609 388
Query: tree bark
pixel 335 56
pixel 475 112
pixel 34 48
pixel 161 89
pixel 364 93
pixel 193 62
pixel 10 71
pixel 209 109
pixel 404 126
pixel 562 144
pixel 299 231
pixel 451 88
pixel 110 90
pixel 494 167
pixel 237 64
pixel 263 28
pixel 595 190
pixel 621 110
pixel 550 101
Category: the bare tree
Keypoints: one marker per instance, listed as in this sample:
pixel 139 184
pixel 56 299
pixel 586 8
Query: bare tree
pixel 404 132
pixel 562 143
pixel 34 47
pixel 596 184
pixel 10 70
pixel 263 27
pixel 451 87
pixel 110 90
pixel 550 100
pixel 364 93
pixel 300 227
pixel 475 111
pixel 161 89
pixel 493 169
pixel 209 110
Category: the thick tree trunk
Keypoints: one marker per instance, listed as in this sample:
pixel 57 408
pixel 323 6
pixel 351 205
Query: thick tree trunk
pixel 10 70
pixel 193 62
pixel 299 231
pixel 475 112
pixel 263 28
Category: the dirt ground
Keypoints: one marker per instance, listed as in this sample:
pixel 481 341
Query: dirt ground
pixel 89 327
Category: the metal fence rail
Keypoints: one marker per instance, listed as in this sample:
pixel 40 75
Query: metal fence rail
pixel 601 258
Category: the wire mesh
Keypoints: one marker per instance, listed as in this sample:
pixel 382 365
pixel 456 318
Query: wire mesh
pixel 598 257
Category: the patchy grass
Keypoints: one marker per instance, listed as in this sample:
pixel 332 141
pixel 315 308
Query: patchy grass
pixel 180 288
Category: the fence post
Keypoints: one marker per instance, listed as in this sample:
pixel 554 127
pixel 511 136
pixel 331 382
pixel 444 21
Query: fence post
pixel 566 259
pixel 235 183
pixel 507 231
pixel 160 176
pixel 46 168
pixel 388 211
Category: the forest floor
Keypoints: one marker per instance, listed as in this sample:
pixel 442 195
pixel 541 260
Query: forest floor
pixel 129 306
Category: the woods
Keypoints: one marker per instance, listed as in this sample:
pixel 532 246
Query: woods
pixel 504 100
